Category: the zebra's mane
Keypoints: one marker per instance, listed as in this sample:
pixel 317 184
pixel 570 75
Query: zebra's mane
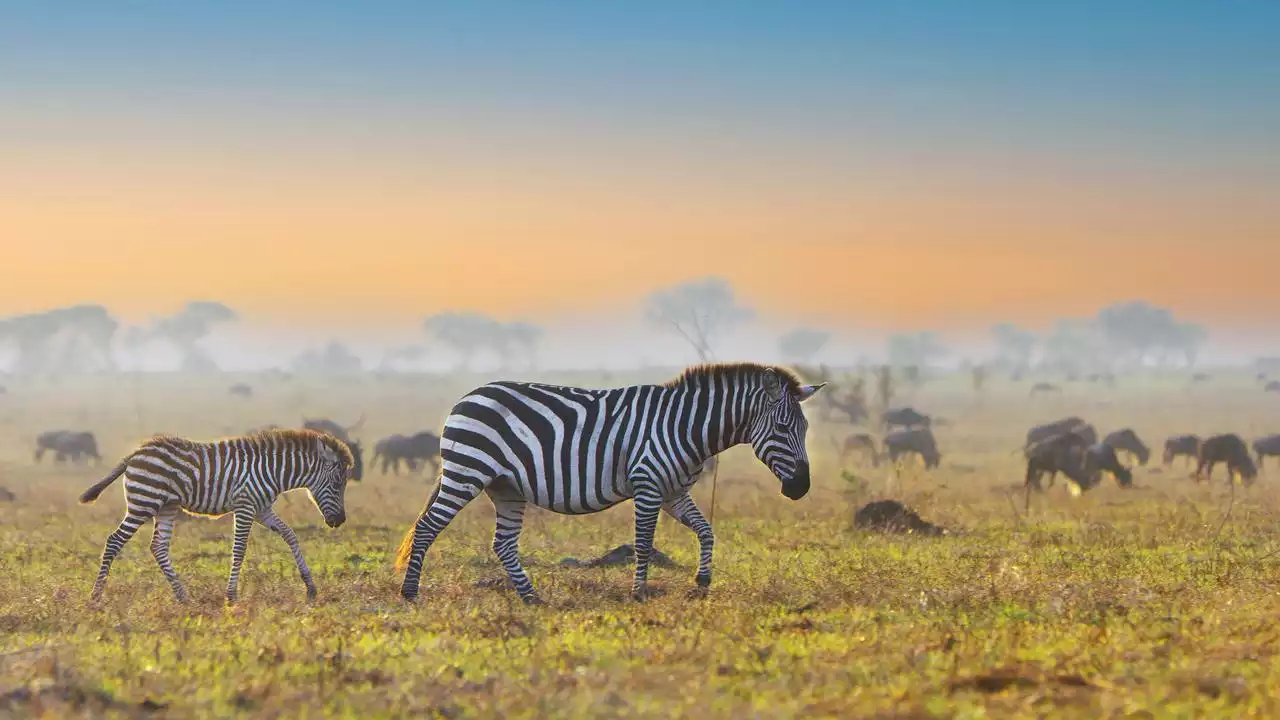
pixel 696 374
pixel 265 439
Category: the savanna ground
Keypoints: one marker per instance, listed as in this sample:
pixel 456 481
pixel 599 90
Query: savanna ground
pixel 1138 603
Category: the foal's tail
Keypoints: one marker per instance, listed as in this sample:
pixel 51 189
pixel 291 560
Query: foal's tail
pixel 406 545
pixel 92 493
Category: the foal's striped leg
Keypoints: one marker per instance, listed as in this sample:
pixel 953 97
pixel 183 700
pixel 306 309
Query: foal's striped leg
pixel 134 518
pixel 161 535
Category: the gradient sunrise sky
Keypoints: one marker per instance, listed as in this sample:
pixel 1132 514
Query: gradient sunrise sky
pixel 855 165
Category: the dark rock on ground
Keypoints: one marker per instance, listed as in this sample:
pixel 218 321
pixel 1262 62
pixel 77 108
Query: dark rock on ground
pixel 624 554
pixel 893 516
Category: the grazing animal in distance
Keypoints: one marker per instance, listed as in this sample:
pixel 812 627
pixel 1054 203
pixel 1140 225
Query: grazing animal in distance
pixel 1128 441
pixel 904 417
pixel 1264 447
pixel 863 444
pixel 627 443
pixel 6 495
pixel 1230 449
pixel 409 449
pixel 242 475
pixel 1044 387
pixel 1186 446
pixel 1061 453
pixel 240 390
pixel 1272 387
pixel 68 445
pixel 913 441
pixel 1101 456
pixel 1199 378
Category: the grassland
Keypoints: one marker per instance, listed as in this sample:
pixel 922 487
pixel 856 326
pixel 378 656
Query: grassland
pixel 1141 603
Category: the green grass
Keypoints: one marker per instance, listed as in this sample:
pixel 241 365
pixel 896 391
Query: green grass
pixel 1117 604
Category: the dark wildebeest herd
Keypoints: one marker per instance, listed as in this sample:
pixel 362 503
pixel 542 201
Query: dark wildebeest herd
pixel 1071 447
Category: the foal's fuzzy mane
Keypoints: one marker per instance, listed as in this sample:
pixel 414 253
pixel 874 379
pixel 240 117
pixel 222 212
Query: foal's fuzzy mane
pixel 262 438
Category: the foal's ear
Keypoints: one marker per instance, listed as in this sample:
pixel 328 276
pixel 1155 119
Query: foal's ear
pixel 325 451
pixel 772 385
pixel 808 391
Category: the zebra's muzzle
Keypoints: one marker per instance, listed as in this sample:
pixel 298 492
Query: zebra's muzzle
pixel 798 486
pixel 335 521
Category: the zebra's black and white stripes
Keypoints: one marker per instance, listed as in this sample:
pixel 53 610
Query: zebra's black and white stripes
pixel 573 450
pixel 242 475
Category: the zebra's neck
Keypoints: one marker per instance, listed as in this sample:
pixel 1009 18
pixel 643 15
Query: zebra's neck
pixel 709 417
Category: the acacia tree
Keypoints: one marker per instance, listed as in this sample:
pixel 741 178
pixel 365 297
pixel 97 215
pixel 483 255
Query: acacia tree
pixel 801 344
pixel 185 329
pixel 698 311
pixel 471 333
pixel 1138 331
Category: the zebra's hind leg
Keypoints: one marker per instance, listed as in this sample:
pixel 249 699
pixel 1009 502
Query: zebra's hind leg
pixel 269 518
pixel 450 496
pixel 506 544
pixel 161 536
pixel 648 503
pixel 686 511
pixel 134 518
pixel 245 516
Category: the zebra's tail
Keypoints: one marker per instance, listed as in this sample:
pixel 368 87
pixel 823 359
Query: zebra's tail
pixel 406 545
pixel 92 493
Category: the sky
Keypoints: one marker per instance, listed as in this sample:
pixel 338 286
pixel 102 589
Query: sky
pixel 856 166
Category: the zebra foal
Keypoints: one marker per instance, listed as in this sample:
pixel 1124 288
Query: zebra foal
pixel 241 475
pixel 576 451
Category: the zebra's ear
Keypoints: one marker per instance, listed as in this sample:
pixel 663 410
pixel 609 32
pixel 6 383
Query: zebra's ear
pixel 772 385
pixel 808 391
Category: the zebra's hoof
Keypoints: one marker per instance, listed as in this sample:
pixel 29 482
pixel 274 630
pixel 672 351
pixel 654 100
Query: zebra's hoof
pixel 409 597
pixel 699 592
pixel 703 580
pixel 532 600
pixel 311 593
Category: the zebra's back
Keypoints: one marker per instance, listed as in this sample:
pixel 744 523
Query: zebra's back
pixel 563 448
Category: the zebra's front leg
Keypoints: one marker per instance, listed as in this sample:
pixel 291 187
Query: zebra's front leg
pixel 686 511
pixel 506 545
pixel 647 504
pixel 244 523
pixel 269 518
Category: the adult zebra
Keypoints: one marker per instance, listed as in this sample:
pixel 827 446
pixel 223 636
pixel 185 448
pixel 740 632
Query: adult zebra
pixel 575 451
pixel 243 475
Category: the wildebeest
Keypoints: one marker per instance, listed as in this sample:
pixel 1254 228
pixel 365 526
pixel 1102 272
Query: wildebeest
pixel 1044 387
pixel 913 441
pixel 863 444
pixel 1227 448
pixel 410 449
pixel 1200 378
pixel 240 390
pixel 1186 446
pixel 1128 441
pixel 1266 446
pixel 904 417
pixel 326 425
pixel 1102 456
pixel 1272 387
pixel 67 445
pixel 1075 425
pixel 6 495
pixel 1061 453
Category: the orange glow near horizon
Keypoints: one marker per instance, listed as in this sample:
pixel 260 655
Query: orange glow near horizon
pixel 311 245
